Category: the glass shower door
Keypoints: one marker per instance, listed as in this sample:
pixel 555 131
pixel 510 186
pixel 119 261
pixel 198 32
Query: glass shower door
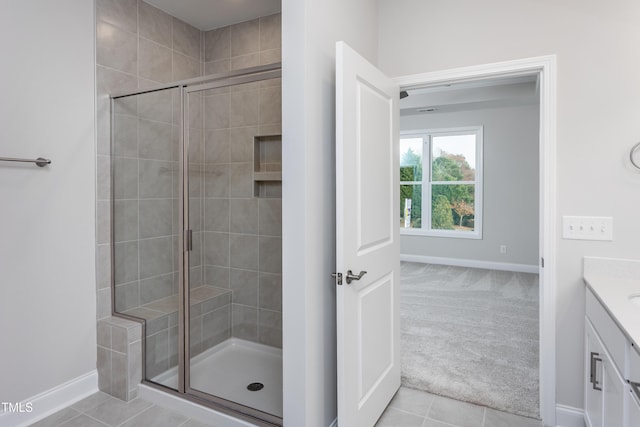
pixel 145 190
pixel 234 214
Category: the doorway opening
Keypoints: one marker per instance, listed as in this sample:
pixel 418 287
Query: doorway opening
pixel 429 92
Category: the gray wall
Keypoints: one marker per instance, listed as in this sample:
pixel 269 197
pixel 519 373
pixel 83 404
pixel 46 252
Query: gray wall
pixel 598 105
pixel 510 196
pixel 47 220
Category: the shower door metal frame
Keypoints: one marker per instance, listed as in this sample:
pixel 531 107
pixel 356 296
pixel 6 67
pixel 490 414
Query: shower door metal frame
pixel 233 78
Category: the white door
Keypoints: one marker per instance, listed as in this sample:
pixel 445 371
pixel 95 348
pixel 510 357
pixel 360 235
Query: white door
pixel 367 240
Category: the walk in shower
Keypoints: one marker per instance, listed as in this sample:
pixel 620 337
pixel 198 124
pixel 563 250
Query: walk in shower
pixel 196 236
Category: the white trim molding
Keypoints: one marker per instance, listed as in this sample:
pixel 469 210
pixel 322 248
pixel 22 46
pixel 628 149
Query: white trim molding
pixel 544 67
pixel 51 401
pixel 472 263
pixel 567 416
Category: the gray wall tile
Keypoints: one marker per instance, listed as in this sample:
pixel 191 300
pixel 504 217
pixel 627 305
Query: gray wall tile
pixel 122 13
pixel 154 61
pixel 127 296
pixel 217 146
pixel 216 215
pixel 216 248
pixel 156 178
pixel 157 106
pixel 125 178
pixel 217 276
pixel 244 216
pixel 243 108
pixel 216 180
pixel 126 262
pixel 243 251
pixel 156 256
pixel 217 111
pixel 155 140
pixel 217 44
pixel 270 105
pixel 270 291
pixel 270 217
pixel 245 37
pixel 241 143
pixel 241 180
pixel 270 32
pixel 126 136
pixel 185 67
pixel 156 218
pixel 270 328
pixel 155 288
pixel 270 254
pixel 244 322
pixel 244 287
pixel 216 327
pixel 186 39
pixel 116 48
pixel 155 24
pixel 125 220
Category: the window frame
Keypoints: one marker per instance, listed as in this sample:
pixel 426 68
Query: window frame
pixel 427 183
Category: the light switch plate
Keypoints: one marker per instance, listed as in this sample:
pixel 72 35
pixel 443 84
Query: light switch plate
pixel 587 227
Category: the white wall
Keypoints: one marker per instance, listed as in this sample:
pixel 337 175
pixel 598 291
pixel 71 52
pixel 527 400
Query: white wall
pixel 47 218
pixel 596 44
pixel 309 31
pixel 510 188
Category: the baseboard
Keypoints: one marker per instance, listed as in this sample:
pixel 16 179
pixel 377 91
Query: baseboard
pixel 51 401
pixel 567 416
pixel 487 265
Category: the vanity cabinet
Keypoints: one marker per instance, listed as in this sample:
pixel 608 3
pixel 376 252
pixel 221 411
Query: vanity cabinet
pixel 604 391
pixel 608 396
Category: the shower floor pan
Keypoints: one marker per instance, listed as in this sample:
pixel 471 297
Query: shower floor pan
pixel 228 369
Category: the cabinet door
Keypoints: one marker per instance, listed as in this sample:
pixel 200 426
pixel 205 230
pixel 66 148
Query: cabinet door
pixel 634 411
pixel 593 397
pixel 613 394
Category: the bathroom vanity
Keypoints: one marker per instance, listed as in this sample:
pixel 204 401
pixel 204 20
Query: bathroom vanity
pixel 612 342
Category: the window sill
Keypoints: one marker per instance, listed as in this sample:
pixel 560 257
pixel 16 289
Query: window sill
pixel 476 235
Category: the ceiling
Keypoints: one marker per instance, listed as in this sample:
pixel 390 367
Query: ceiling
pixel 464 96
pixel 209 14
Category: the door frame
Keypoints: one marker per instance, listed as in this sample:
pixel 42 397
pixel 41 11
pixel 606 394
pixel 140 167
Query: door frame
pixel 545 68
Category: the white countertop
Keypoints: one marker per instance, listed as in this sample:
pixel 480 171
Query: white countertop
pixel 613 281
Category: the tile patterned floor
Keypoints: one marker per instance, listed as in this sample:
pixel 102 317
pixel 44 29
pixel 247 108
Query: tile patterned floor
pixel 100 410
pixel 413 408
pixel 409 408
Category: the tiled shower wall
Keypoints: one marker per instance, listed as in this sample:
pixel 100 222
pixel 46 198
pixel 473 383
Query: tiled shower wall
pixel 139 46
pixel 242 233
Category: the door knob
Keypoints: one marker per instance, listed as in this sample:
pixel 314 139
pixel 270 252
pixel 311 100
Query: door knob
pixel 351 276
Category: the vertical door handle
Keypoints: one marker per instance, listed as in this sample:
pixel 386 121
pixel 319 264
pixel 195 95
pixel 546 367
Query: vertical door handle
pixel 188 238
pixel 594 371
pixel 636 388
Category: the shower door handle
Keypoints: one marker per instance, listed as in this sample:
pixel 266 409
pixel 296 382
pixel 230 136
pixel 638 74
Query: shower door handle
pixel 188 240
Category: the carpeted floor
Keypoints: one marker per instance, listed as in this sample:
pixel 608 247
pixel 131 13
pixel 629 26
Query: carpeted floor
pixel 472 335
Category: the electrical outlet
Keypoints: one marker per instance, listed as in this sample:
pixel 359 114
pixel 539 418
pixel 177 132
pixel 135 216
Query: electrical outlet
pixel 503 249
pixel 587 227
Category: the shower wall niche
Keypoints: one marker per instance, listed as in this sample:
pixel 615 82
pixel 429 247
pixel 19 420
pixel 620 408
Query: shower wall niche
pixel 233 277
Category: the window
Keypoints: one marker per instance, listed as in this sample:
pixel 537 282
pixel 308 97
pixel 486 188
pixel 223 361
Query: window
pixel 441 183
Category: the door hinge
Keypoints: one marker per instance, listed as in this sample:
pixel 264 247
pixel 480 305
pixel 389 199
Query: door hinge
pixel 338 277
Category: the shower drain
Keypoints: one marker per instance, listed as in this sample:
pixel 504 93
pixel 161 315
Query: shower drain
pixel 255 386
